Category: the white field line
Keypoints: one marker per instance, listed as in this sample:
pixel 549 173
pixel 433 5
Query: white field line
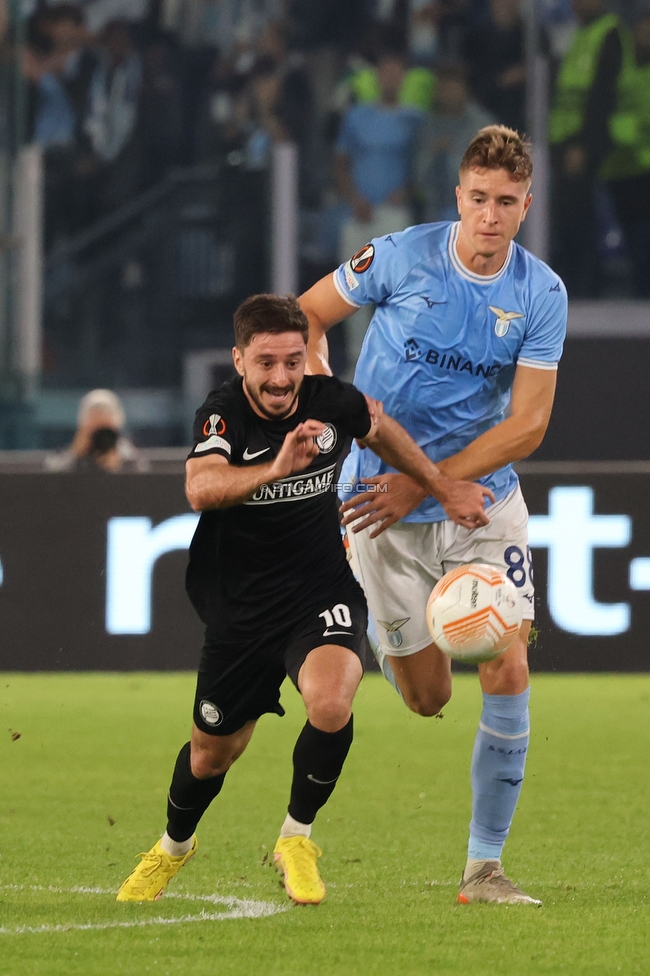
pixel 236 908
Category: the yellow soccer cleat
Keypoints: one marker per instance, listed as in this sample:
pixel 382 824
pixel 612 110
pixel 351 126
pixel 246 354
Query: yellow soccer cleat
pixel 295 859
pixel 153 874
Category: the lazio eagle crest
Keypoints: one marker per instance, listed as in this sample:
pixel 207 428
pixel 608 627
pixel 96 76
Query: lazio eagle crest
pixel 504 319
pixel 392 628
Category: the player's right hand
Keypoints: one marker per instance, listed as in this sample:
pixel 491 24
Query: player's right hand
pixel 298 450
pixel 464 503
pixel 393 497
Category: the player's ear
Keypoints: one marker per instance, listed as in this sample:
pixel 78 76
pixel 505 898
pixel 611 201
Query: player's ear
pixel 527 203
pixel 458 198
pixel 238 359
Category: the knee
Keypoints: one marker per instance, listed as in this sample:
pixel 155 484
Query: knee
pixel 511 678
pixel 427 703
pixel 204 765
pixel 329 713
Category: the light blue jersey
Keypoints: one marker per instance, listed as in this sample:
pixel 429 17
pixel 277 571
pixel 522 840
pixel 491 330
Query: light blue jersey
pixel 443 345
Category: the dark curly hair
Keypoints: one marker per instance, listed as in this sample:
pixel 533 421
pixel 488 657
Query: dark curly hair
pixel 269 313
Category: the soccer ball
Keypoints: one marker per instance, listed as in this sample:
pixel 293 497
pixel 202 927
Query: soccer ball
pixel 474 613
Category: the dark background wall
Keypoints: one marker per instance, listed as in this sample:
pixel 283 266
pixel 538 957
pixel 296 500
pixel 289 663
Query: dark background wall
pixel 602 404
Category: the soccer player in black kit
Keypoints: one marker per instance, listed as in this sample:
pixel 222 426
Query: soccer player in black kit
pixel 269 578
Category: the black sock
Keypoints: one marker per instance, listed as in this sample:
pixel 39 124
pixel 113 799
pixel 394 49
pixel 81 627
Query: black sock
pixel 189 797
pixel 317 763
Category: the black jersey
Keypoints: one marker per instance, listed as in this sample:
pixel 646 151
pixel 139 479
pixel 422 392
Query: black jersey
pixel 258 564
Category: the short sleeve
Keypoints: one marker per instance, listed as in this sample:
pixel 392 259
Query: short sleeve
pixel 372 274
pixel 546 330
pixel 215 429
pixel 346 407
pixel 358 416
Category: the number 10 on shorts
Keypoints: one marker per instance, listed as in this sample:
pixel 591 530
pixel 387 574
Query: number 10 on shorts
pixel 338 615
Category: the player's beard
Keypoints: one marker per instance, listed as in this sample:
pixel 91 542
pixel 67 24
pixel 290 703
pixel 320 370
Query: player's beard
pixel 255 395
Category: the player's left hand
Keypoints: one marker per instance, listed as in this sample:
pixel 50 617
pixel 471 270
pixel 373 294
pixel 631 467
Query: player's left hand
pixel 464 503
pixel 382 506
pixel 298 449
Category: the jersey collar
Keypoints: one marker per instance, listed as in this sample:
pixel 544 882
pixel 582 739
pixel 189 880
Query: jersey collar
pixel 464 272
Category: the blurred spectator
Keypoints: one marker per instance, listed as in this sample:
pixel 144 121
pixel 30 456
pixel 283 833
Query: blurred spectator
pixel 111 171
pixel 627 170
pixel 373 160
pixel 453 19
pixel 247 114
pixel 114 93
pixel 58 62
pixel 585 100
pixel 373 172
pixel 423 31
pixel 494 52
pixel 282 99
pixel 361 86
pixel 99 13
pixel 72 49
pixel 161 108
pixel 229 25
pixel 99 442
pixel 442 141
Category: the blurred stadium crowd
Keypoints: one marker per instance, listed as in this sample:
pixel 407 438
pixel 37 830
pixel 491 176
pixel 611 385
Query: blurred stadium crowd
pixel 381 98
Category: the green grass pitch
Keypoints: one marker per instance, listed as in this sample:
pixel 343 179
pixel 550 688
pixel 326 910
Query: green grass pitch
pixel 84 790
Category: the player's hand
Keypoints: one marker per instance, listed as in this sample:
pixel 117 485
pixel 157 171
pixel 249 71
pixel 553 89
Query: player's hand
pixel 464 503
pixel 298 450
pixel 383 507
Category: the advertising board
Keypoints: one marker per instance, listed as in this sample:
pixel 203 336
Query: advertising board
pixel 92 569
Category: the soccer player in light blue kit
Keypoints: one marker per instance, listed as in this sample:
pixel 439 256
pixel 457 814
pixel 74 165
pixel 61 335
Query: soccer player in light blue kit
pixel 463 351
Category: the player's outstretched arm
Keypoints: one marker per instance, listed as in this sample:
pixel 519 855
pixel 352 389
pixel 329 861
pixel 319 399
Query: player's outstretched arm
pixel 463 501
pixel 516 437
pixel 323 307
pixel 212 482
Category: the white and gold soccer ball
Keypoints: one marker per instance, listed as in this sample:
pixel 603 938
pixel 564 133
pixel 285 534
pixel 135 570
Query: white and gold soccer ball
pixel 474 613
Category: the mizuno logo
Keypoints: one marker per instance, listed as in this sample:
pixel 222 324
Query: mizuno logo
pixel 555 287
pixel 430 303
pixel 321 782
pixel 513 782
pixel 249 457
pixel 328 633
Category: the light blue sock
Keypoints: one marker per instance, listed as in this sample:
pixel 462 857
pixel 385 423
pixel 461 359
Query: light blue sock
pixel 498 765
pixel 383 663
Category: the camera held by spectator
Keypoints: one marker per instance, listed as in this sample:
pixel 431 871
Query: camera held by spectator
pixel 98 442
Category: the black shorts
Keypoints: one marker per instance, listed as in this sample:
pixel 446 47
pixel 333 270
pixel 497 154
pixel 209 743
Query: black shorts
pixel 239 681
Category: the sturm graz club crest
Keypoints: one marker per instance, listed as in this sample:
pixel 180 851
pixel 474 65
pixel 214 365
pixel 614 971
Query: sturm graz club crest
pixel 326 441
pixel 392 628
pixel 210 714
